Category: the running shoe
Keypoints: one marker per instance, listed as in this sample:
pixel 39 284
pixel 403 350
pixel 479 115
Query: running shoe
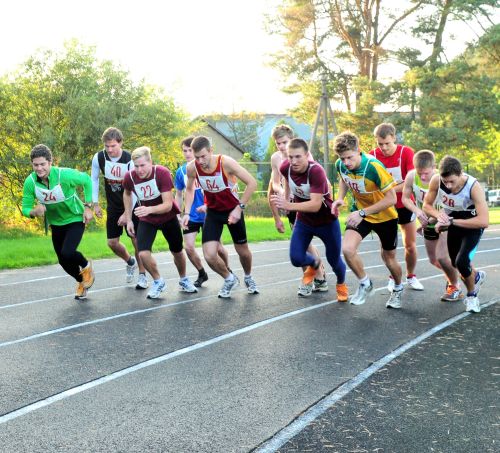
pixel 452 294
pixel 362 293
pixel 251 285
pixel 130 271
pixel 202 277
pixel 142 282
pixel 342 292
pixel 228 286
pixel 480 279
pixel 87 274
pixel 310 272
pixel 390 284
pixel 81 292
pixel 394 299
pixel 186 286
pixel 157 288
pixel 305 290
pixel 320 285
pixel 472 304
pixel 413 283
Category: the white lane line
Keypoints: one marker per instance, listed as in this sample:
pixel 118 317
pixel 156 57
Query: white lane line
pixel 342 391
pixel 290 431
pixel 173 304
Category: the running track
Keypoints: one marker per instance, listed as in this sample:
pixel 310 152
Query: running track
pixel 194 373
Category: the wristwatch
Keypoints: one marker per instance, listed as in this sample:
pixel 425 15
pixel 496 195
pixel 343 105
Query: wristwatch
pixel 243 206
pixel 362 213
pixel 88 205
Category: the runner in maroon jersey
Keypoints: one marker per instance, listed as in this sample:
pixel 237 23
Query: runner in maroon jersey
pixel 217 175
pixel 156 210
pixel 398 160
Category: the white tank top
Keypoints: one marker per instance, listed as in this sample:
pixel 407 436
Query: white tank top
pixel 304 190
pixel 461 201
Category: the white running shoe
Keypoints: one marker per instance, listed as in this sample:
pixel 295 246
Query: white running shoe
pixel 472 304
pixel 228 286
pixel 479 282
pixel 130 272
pixel 142 282
pixel 187 286
pixel 390 284
pixel 361 294
pixel 157 288
pixel 251 285
pixel 394 299
pixel 320 285
pixel 305 290
pixel 413 283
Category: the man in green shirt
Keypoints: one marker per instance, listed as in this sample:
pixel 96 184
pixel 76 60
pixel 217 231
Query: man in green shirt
pixel 54 191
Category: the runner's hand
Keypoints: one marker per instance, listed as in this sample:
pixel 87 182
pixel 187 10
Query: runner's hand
pixel 98 212
pixel 422 217
pixel 88 215
pixel 354 219
pixel 185 222
pixel 202 208
pixel 122 220
pixel 234 216
pixel 279 225
pixel 279 201
pixel 335 207
pixel 130 228
pixel 38 210
pixel 142 211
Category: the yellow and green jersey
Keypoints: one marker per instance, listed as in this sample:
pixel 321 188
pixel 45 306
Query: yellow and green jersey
pixel 368 183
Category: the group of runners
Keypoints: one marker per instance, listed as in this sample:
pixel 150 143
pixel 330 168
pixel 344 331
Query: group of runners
pixel 389 186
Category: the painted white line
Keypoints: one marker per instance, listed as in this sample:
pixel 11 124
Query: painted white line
pixel 173 304
pixel 118 374
pixel 287 433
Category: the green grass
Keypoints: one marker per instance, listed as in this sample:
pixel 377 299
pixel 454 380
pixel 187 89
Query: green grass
pixel 23 248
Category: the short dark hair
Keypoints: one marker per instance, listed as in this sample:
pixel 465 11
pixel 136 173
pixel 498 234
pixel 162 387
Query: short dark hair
pixel 424 159
pixel 297 143
pixel 200 142
pixel 41 151
pixel 187 141
pixel 384 129
pixel 112 133
pixel 449 166
pixel 346 141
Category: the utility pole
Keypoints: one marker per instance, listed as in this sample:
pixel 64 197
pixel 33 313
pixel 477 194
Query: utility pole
pixel 324 111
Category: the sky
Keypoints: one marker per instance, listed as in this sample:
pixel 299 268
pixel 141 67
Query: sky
pixel 209 55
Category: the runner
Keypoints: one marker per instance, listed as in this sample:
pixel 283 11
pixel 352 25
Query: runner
pixel 114 162
pixel 312 202
pixel 55 190
pixel 282 134
pixel 196 215
pixel 415 187
pixel 217 175
pixel 156 210
pixel 372 187
pixel 398 160
pixel 465 216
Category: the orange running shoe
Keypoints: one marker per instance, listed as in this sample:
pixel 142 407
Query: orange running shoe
pixel 342 292
pixel 87 276
pixel 81 292
pixel 309 275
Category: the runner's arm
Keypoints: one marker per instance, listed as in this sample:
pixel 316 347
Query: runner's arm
pixel 95 179
pixel 430 198
pixel 408 192
pixel 481 220
pixel 386 202
pixel 233 168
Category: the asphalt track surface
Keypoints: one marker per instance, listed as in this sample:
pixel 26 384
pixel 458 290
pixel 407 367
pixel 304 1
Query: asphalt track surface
pixel 267 372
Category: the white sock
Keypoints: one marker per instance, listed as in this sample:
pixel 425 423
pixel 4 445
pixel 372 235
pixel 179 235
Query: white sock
pixel 365 281
pixel 398 287
pixel 230 278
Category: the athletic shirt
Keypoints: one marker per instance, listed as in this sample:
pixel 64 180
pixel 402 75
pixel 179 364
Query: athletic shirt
pixel 368 183
pixel 459 205
pixel 59 196
pixel 199 200
pixel 114 172
pixel 398 165
pixel 301 185
pixel 220 193
pixel 420 189
pixel 149 190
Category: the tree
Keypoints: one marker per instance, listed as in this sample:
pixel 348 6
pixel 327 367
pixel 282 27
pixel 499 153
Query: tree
pixel 66 100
